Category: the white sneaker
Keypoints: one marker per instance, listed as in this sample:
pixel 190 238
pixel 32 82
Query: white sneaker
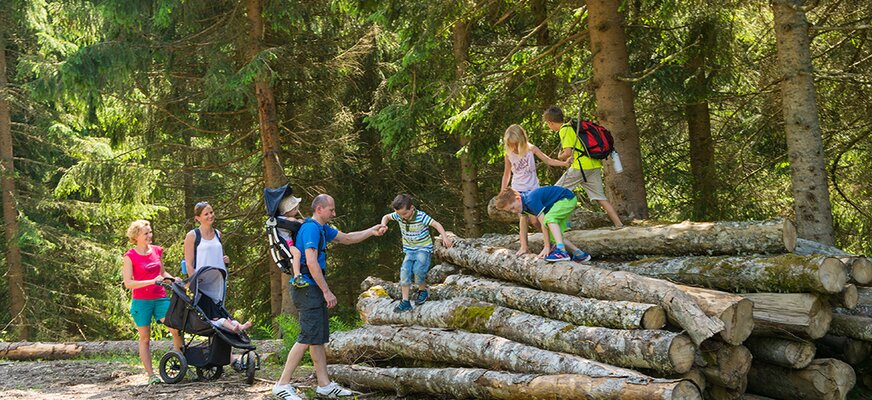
pixel 285 392
pixel 333 390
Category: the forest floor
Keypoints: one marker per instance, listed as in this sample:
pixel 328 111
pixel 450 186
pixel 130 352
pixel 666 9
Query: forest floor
pixel 124 378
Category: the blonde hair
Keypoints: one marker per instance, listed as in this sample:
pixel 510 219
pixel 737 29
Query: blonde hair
pixel 516 135
pixel 506 198
pixel 136 228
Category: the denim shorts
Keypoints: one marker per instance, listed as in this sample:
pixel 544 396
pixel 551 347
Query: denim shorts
pixel 143 310
pixel 417 263
pixel 314 322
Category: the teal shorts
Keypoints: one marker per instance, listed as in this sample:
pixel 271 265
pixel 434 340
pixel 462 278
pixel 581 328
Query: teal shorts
pixel 143 310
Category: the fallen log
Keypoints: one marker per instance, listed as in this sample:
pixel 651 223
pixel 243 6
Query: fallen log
pixel 469 383
pixel 585 281
pixel 438 273
pixel 383 342
pixel 848 298
pixel 864 304
pixel 723 364
pixel 860 267
pixel 580 219
pixel 824 379
pixel 60 351
pixel 852 326
pixel 715 392
pixel 784 273
pixel 572 309
pixel 851 351
pixel 736 312
pixel 793 314
pixel 664 351
pixel 786 353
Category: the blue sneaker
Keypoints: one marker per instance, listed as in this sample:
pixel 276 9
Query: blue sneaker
pixel 580 257
pixel 557 255
pixel 422 297
pixel 404 306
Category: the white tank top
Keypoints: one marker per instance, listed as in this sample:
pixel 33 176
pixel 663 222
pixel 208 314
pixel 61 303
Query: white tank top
pixel 210 253
pixel 524 171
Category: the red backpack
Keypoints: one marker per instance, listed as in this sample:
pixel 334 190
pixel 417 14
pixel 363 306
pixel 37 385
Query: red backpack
pixel 596 140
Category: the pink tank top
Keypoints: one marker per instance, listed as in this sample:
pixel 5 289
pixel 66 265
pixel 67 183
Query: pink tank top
pixel 145 268
pixel 524 171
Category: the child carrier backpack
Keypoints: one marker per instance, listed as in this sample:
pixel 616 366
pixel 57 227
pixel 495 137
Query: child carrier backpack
pixel 596 141
pixel 278 247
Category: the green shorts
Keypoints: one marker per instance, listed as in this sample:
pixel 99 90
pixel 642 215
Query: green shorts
pixel 143 310
pixel 560 213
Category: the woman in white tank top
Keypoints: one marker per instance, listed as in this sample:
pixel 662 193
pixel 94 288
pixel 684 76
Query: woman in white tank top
pixel 210 251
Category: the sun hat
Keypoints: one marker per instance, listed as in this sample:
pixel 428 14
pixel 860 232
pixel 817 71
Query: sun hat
pixel 288 203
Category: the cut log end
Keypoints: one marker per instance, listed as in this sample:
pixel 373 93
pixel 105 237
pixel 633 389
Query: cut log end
pixel 833 274
pixel 738 322
pixel 686 390
pixel 849 298
pixel 789 236
pixel 861 270
pixel 654 318
pixel 681 354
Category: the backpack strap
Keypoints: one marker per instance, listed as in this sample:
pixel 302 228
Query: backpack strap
pixel 322 243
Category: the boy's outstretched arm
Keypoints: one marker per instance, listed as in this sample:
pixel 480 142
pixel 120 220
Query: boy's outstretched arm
pixel 446 240
pixel 546 237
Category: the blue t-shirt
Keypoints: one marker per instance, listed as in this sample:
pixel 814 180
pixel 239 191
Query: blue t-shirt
pixel 538 201
pixel 309 237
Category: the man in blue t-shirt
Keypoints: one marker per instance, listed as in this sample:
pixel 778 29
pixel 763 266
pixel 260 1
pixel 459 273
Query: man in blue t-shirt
pixel 313 301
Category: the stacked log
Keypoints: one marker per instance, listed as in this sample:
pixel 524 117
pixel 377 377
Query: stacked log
pixel 749 312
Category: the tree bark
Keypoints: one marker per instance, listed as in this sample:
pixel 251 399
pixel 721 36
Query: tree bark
pixel 585 281
pixel 439 273
pixel 580 219
pixel 468 383
pixel 59 351
pixel 468 168
pixel 781 273
pixel 723 364
pixel 736 312
pixel 851 351
pixel 805 151
pixel 787 353
pixel 717 392
pixel 15 270
pixel 572 309
pixel 384 342
pixel 660 350
pixel 852 326
pixel 273 176
pixel 860 267
pixel 800 314
pixel 704 187
pixel 547 86
pixel 824 379
pixel 615 109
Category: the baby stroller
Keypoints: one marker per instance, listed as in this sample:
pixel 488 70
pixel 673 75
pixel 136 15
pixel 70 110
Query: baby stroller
pixel 194 315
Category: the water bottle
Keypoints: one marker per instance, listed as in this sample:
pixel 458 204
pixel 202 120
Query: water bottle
pixel 184 267
pixel 616 162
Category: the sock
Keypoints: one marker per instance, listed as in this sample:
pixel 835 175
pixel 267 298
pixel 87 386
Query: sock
pixel 561 247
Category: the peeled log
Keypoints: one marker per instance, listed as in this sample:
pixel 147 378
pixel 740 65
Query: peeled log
pixel 823 379
pixel 860 267
pixel 580 219
pixel 724 365
pixel 572 309
pixel 851 351
pixel 785 273
pixel 664 351
pixel 383 342
pixel 468 383
pixel 60 351
pixel 852 326
pixel 736 312
pixel 786 353
pixel 585 281
pixel 798 314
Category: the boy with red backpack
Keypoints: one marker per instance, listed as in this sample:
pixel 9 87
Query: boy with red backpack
pixel 584 169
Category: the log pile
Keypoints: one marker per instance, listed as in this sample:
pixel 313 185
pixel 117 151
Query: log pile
pixel 685 311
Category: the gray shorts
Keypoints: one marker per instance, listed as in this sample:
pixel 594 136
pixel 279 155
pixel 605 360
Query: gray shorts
pixel 593 187
pixel 314 323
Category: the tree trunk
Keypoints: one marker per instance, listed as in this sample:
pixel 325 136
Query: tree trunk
pixel 468 168
pixel 805 151
pixel 273 176
pixel 704 188
pixel 851 351
pixel 468 383
pixel 852 326
pixel 860 267
pixel 585 281
pixel 615 109
pixel 724 365
pixel 15 270
pixel 660 350
pixel 783 273
pixel 736 312
pixel 59 351
pixel 787 353
pixel 383 342
pixel 572 309
pixel 581 218
pixel 547 86
pixel 800 314
pixel 824 379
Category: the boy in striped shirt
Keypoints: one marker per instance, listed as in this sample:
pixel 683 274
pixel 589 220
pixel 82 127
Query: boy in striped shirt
pixel 417 244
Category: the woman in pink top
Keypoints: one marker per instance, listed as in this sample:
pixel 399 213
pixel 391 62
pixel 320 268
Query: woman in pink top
pixel 142 272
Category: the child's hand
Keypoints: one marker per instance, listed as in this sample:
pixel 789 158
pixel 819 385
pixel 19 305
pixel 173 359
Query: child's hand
pixel 544 252
pixel 226 260
pixel 521 251
pixel 447 242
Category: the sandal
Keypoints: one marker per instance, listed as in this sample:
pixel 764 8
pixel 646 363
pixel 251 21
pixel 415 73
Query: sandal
pixel 154 380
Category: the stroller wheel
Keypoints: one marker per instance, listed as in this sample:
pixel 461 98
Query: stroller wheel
pixel 250 366
pixel 173 367
pixel 209 374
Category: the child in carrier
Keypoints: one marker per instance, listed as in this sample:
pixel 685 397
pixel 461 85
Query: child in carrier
pixel 288 209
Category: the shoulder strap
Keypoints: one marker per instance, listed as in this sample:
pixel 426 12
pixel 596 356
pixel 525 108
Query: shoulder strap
pixel 197 237
pixel 218 235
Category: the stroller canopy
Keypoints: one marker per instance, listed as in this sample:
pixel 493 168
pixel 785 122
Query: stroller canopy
pixel 272 198
pixel 210 281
